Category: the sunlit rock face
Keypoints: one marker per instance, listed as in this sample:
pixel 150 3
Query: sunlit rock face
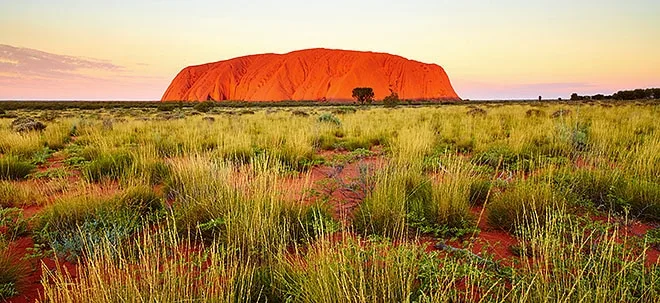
pixel 313 74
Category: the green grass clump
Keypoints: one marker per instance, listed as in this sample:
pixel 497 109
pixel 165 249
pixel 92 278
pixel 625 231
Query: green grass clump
pixel 163 268
pixel 15 195
pixel 523 203
pixel 609 269
pixel 107 166
pixel 615 191
pixel 243 211
pixel 351 272
pixel 479 191
pixel 12 168
pixel 72 225
pixel 12 273
pixel 384 210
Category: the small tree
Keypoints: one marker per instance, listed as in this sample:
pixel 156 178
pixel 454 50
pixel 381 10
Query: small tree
pixel 392 100
pixel 363 94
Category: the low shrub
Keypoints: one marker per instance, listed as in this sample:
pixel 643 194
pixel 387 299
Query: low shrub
pixel 23 125
pixel 300 113
pixel 370 272
pixel 534 113
pixel 477 112
pixel 329 118
pixel 561 113
pixel 204 107
pixel 385 209
pixel 12 223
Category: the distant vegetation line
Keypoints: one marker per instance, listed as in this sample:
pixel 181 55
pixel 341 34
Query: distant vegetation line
pixel 165 106
pixel 635 94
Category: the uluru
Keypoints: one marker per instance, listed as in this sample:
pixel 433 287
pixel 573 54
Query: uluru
pixel 312 74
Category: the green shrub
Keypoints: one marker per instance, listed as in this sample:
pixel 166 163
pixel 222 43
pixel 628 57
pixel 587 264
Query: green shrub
pixel 149 171
pixel 42 156
pixel 204 107
pixel 403 198
pixel 392 100
pixel 329 118
pixel 325 142
pixel 12 168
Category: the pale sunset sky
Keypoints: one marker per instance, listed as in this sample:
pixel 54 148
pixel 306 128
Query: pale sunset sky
pixel 506 49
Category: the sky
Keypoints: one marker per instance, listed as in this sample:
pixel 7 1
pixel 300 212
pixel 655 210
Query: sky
pixel 506 49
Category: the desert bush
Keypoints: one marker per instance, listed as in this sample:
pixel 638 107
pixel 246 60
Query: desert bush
pixel 344 110
pixel 300 113
pixel 565 244
pixel 545 145
pixel 446 211
pixel 561 113
pixel 477 112
pixel 204 107
pixel 22 145
pixel 384 210
pixel 22 125
pixel 614 191
pixel 351 272
pixel 13 224
pixel 392 100
pixel 534 113
pixel 11 168
pixel 325 141
pixel 496 156
pixel 329 118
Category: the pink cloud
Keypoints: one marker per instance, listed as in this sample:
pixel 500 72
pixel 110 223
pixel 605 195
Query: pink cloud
pixel 32 74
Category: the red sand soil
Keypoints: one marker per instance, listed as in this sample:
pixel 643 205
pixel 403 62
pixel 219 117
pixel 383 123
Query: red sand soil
pixel 633 229
pixel 30 288
pixel 332 182
pixel 313 74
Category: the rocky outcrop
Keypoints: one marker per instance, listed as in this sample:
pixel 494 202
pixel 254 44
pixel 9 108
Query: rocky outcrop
pixel 314 74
